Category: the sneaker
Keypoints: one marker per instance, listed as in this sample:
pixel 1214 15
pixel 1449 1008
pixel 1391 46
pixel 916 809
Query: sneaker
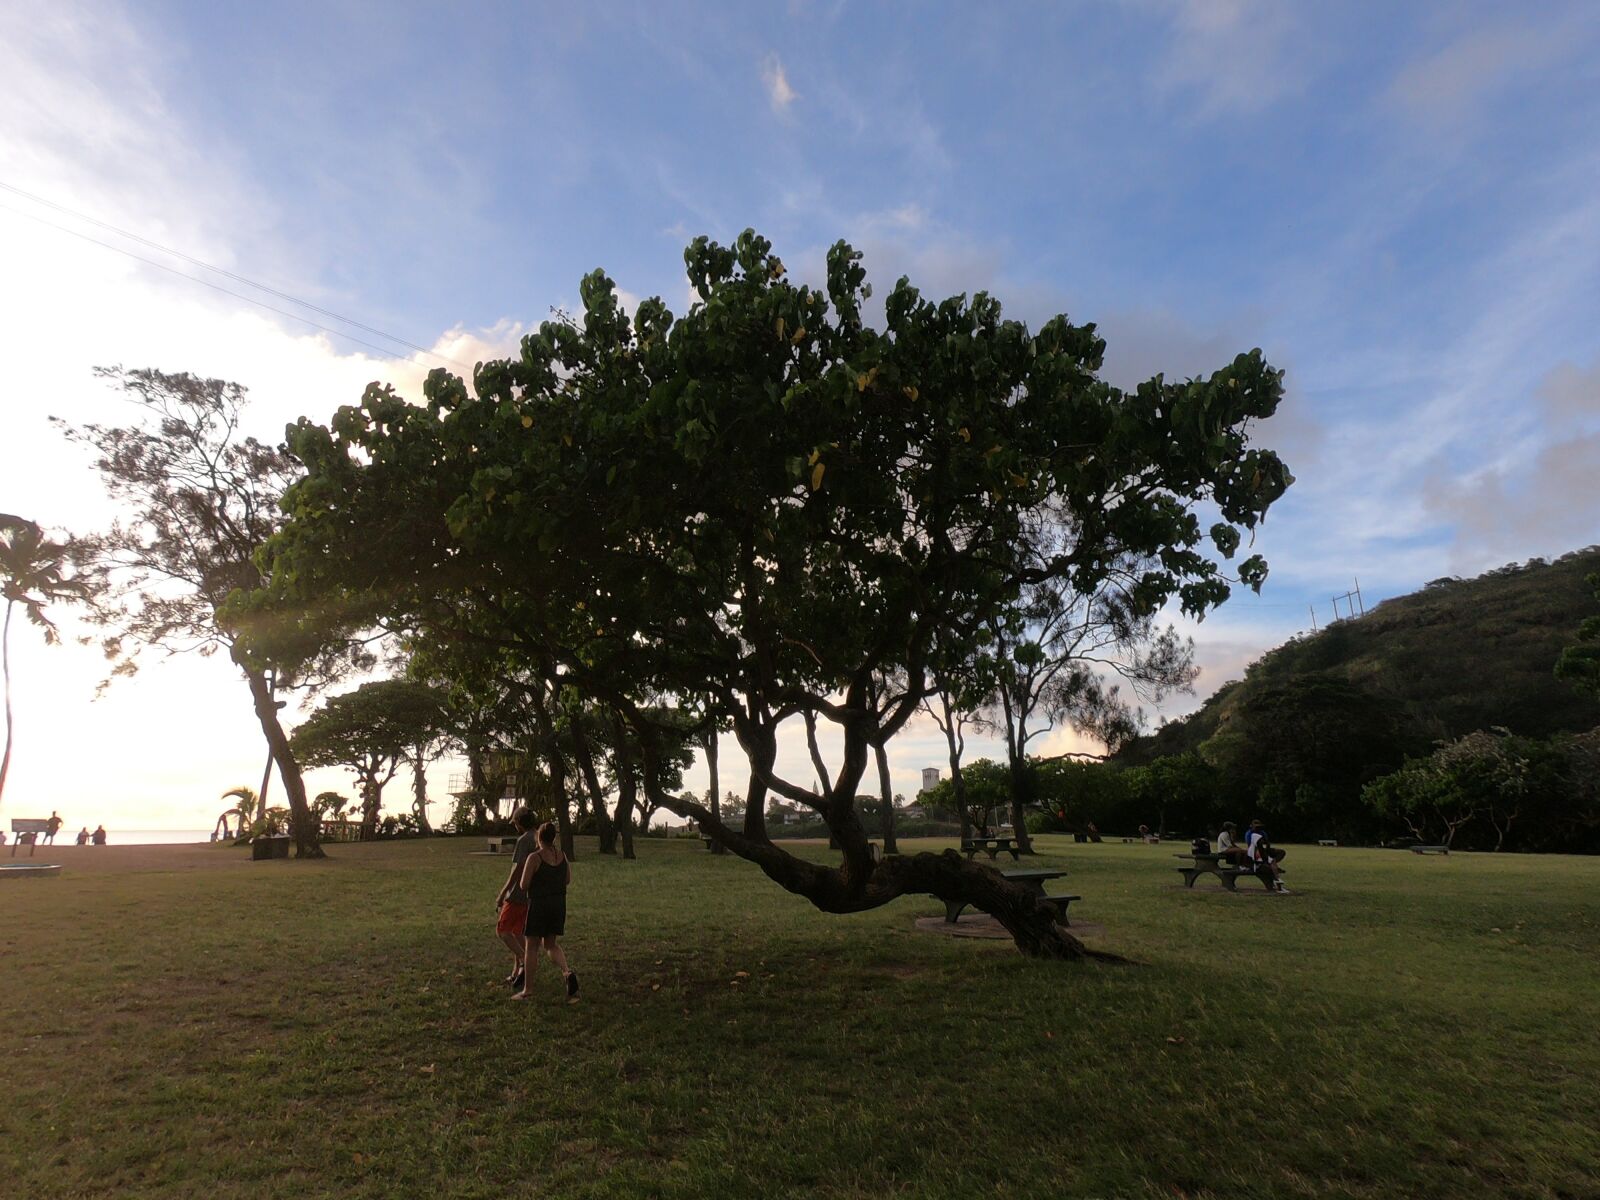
pixel 1283 891
pixel 572 987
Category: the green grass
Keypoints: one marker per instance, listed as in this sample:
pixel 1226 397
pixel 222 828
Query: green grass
pixel 1401 1027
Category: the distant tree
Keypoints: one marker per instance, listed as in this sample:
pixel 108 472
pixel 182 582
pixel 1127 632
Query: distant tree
pixel 1055 652
pixel 1579 663
pixel 1482 775
pixel 371 731
pixel 33 574
pixel 197 499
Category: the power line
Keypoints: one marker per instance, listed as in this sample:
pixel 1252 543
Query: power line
pixel 220 271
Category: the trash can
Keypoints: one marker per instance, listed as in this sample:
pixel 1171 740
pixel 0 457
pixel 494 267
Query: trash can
pixel 274 846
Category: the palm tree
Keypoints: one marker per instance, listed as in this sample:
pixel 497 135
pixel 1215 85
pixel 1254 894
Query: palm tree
pixel 32 574
pixel 249 808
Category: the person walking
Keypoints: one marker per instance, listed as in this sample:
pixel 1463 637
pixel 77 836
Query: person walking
pixel 511 906
pixel 545 878
pixel 52 827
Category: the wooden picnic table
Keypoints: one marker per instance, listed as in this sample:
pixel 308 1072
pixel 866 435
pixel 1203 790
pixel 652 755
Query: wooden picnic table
pixel 993 845
pixel 1430 850
pixel 1034 881
pixel 1213 864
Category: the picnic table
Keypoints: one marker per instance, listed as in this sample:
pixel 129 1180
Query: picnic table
pixel 1212 864
pixel 27 830
pixel 1430 850
pixel 1034 881
pixel 269 845
pixel 993 845
pixel 499 845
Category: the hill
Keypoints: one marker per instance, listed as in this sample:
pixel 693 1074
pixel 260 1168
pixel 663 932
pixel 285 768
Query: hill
pixel 1456 656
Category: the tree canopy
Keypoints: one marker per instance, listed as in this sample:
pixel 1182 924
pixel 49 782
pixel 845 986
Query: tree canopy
pixel 766 501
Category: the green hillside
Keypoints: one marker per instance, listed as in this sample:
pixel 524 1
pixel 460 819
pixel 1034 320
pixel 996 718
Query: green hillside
pixel 1458 655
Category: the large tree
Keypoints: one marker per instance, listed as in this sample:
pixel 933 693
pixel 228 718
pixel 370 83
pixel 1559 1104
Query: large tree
pixel 33 575
pixel 197 499
pixel 765 503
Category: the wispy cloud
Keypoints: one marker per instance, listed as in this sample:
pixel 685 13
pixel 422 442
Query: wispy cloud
pixel 1235 56
pixel 780 92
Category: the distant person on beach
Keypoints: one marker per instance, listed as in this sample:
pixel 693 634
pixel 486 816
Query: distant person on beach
pixel 83 836
pixel 511 906
pixel 99 835
pixel 545 878
pixel 51 828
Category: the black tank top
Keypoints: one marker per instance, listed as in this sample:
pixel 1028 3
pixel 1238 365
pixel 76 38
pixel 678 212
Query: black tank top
pixel 549 881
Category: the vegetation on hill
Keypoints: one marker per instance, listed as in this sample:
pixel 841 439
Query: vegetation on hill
pixel 1457 656
pixel 1436 714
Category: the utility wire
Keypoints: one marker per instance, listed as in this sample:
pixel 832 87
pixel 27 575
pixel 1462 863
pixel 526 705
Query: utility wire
pixel 220 271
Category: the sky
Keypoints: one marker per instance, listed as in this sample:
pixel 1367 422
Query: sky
pixel 1400 204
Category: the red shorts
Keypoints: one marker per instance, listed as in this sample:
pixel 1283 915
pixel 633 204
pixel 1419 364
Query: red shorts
pixel 512 918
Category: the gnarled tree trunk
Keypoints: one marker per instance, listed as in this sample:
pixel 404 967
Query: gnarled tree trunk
pixel 627 791
pixel 304 825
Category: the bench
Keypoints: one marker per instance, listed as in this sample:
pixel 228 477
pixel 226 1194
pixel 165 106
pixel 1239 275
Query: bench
pixel 1212 864
pixel 1034 881
pixel 1327 842
pixel 499 845
pixel 1430 850
pixel 994 846
pixel 27 830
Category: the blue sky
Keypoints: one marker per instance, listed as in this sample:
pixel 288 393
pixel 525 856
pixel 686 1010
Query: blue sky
pixel 1399 203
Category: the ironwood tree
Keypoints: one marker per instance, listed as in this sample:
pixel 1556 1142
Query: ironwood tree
pixel 198 499
pixel 1058 656
pixel 765 503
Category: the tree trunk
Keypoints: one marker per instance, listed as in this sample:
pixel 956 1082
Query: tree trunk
pixel 890 846
pixel 716 785
pixel 419 788
pixel 1021 802
pixel 558 772
pixel 478 781
pixel 5 655
pixel 371 801
pixel 585 757
pixel 303 822
pixel 958 786
pixel 763 755
pixel 627 792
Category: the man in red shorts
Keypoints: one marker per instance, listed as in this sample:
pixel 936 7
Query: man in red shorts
pixel 512 903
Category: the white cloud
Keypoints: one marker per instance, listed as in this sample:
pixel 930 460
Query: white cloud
pixel 1450 85
pixel 779 91
pixel 1237 56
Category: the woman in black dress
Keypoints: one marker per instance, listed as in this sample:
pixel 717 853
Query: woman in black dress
pixel 545 877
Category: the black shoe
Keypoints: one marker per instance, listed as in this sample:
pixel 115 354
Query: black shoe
pixel 572 986
pixel 516 980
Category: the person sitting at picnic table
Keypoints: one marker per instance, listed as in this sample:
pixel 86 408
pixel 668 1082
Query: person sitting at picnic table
pixel 1228 845
pixel 1265 857
pixel 83 836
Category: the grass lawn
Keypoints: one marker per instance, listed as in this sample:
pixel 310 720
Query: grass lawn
pixel 1402 1026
